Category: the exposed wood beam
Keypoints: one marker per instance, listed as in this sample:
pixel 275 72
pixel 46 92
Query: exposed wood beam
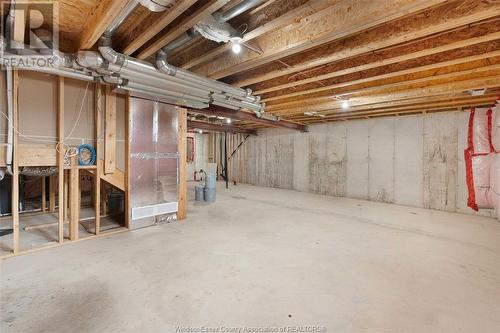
pixel 384 62
pixel 450 107
pixel 442 102
pixel 442 65
pixel 428 81
pixel 424 78
pixel 189 22
pixel 212 127
pixel 289 17
pixel 99 20
pixel 338 21
pixel 241 115
pixel 364 103
pixel 153 29
pixel 435 90
pixel 448 16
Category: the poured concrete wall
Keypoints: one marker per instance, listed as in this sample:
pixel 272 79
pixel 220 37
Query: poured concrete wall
pixel 411 160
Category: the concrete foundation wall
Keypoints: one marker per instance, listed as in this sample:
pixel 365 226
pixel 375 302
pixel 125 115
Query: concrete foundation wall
pixel 411 160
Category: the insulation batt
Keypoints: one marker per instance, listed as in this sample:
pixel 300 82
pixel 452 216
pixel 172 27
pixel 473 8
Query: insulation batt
pixel 481 165
pixel 495 183
pixel 482 158
pixel 495 126
pixel 480 137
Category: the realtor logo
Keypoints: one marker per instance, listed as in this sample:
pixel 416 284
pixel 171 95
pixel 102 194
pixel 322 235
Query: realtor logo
pixel 30 30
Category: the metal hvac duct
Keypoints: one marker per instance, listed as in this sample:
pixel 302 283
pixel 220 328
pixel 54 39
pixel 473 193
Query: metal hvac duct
pixel 219 17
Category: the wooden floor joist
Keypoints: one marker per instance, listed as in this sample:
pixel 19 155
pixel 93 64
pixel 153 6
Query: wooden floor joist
pixel 148 31
pixel 449 16
pixel 210 7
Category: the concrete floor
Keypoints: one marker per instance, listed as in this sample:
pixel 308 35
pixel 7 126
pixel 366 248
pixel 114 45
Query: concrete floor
pixel 265 257
pixel 36 238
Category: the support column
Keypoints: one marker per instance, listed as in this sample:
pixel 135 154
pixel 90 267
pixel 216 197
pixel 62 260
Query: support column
pixel 15 162
pixel 98 144
pixel 182 202
pixel 74 199
pixel 60 156
pixel 52 193
pixel 44 194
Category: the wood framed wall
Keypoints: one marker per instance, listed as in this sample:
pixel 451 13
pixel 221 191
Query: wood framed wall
pixel 64 189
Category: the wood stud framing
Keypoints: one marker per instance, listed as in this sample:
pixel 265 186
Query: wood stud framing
pixel 60 157
pixel 15 163
pixel 182 202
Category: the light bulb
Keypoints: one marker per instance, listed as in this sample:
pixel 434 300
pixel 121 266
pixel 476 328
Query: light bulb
pixel 236 47
pixel 228 120
pixel 200 131
pixel 345 105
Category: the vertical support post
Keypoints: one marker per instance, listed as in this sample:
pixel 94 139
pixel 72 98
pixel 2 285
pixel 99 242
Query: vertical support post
pixel 60 156
pixel 127 162
pixel 182 202
pixel 44 194
pixel 52 193
pixel 98 145
pixel 110 132
pixel 15 162
pixel 225 160
pixel 74 199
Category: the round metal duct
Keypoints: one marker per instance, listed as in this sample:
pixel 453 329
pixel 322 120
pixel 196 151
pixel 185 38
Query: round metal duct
pixel 156 5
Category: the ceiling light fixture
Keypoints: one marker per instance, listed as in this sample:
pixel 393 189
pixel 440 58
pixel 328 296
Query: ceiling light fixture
pixel 345 105
pixel 236 45
pixel 228 120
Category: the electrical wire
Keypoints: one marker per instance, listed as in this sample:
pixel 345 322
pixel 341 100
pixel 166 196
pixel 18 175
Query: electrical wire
pixel 30 137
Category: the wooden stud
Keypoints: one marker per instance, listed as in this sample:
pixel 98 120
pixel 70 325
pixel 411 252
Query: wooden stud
pixel 98 145
pixel 60 157
pixel 74 199
pixel 182 141
pixel 128 211
pixel 44 194
pixel 52 193
pixel 15 162
pixel 19 23
pixel 110 132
